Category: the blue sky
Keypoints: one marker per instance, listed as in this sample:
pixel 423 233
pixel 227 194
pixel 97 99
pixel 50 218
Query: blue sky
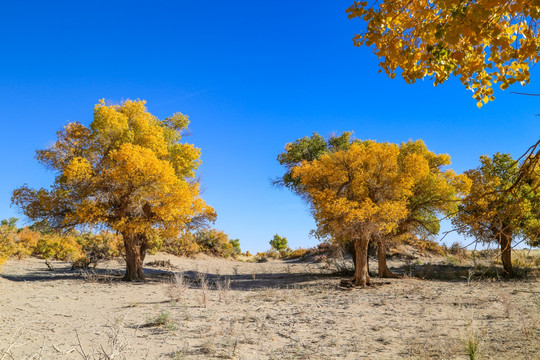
pixel 252 76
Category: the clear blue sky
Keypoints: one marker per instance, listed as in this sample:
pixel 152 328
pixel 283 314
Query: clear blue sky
pixel 252 76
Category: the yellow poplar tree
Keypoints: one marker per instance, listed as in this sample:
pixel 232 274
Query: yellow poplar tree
pixel 128 171
pixel 494 212
pixel 482 42
pixel 438 192
pixel 360 193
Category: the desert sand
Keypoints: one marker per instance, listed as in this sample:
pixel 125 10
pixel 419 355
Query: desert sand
pixel 211 308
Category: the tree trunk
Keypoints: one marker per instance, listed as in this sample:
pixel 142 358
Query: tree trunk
pixel 384 272
pixel 361 273
pixel 352 252
pixel 136 246
pixel 505 240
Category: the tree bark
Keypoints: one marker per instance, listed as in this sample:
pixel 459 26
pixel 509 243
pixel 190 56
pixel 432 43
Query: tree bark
pixel 505 240
pixel 361 273
pixel 352 251
pixel 136 246
pixel 384 272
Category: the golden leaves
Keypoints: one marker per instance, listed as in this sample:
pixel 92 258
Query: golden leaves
pixel 359 187
pixel 481 42
pixel 78 168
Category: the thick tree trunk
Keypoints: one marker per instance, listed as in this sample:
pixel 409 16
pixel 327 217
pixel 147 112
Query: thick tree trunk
pixel 352 251
pixel 505 240
pixel 384 272
pixel 136 246
pixel 361 273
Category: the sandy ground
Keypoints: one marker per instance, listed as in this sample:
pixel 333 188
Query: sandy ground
pixel 244 310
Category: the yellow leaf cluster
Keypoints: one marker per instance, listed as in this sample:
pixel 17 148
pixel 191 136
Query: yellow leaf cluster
pixel 364 188
pixel 481 42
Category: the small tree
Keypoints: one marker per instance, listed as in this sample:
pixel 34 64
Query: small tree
pixel 127 171
pixel 279 243
pixel 214 242
pixel 495 211
pixel 236 246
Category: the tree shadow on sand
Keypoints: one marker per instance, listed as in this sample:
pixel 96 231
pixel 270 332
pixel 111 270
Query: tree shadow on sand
pixel 269 280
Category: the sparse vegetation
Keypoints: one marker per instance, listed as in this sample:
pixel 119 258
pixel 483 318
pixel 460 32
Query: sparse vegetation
pixel 267 310
pixel 472 344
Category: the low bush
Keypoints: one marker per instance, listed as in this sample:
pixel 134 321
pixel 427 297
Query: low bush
pixel 98 247
pixel 215 242
pixel 297 253
pixel 15 242
pixel 185 245
pixel 57 247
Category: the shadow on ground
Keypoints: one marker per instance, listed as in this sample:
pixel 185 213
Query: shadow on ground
pixel 264 280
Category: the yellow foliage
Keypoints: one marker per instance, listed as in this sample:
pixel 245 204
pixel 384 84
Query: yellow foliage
pixel 56 247
pixel 361 189
pixel 380 189
pixel 493 208
pixel 26 242
pixel 16 243
pixel 78 169
pixel 296 253
pixel 481 42
pixel 7 243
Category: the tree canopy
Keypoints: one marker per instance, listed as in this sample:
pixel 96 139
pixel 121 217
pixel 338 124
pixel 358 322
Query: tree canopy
pixel 482 42
pixel 127 171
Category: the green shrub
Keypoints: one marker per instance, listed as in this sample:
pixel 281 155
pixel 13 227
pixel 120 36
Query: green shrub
pixel 279 243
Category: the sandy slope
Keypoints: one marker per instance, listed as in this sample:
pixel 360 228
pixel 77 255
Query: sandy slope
pixel 272 310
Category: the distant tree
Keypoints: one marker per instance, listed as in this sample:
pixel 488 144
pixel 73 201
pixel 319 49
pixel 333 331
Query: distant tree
pixel 127 171
pixel 279 243
pixel 215 242
pixel 10 223
pixel 236 246
pixel 492 213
